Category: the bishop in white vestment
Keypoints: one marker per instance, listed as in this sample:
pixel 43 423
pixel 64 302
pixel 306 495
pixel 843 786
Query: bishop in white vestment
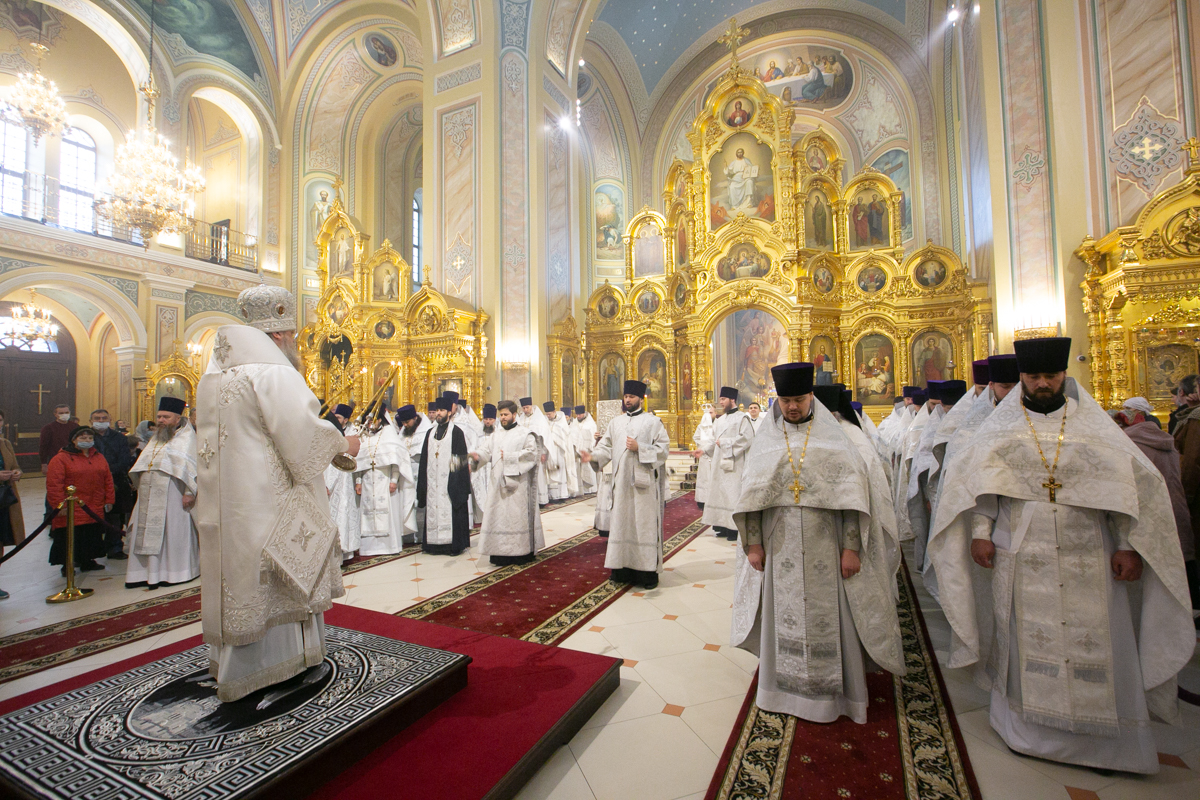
pixel 731 437
pixel 583 437
pixel 269 551
pixel 813 591
pixel 1061 574
pixel 162 541
pixel 343 501
pixel 512 524
pixel 386 490
pixel 637 445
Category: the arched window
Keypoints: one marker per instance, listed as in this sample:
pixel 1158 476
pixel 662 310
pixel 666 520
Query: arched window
pixel 14 154
pixel 77 180
pixel 416 236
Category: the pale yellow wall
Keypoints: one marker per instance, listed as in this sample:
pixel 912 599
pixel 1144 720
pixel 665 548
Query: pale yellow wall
pixel 218 148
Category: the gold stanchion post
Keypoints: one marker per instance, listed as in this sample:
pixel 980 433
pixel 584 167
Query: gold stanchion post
pixel 72 592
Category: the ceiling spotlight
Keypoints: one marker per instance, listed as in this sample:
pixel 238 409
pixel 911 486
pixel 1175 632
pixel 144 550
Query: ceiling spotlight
pixel 953 14
pixel 582 62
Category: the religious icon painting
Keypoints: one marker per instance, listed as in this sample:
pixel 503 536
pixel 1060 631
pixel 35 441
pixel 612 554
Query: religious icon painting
pixel 823 354
pixel 811 75
pixel 932 355
pixel 608 208
pixel 894 164
pixel 1166 366
pixel 607 306
pixel 686 382
pixel 680 294
pixel 743 261
pixel 822 278
pixel 815 158
pixel 745 345
pixel 872 279
pixel 874 370
pixel 738 112
pixel 385 283
pixel 341 253
pixel 740 181
pixel 930 273
pixel 870 224
pixel 681 243
pixel 612 377
pixel 818 220
pixel 385 329
pixel 568 380
pixel 338 308
pixel 652 371
pixel 649 254
pixel 381 49
pixel 648 301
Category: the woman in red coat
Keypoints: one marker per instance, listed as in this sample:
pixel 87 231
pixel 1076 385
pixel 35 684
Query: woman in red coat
pixel 79 465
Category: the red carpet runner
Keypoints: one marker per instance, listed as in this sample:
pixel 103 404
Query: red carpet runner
pixel 910 747
pixel 41 648
pixel 547 600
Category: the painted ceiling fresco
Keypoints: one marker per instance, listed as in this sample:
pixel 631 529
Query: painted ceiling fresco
pixel 210 27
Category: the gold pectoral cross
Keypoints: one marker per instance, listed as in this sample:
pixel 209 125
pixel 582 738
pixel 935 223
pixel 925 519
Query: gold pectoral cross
pixel 1052 486
pixel 796 490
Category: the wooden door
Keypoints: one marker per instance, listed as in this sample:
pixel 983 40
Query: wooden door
pixel 33 384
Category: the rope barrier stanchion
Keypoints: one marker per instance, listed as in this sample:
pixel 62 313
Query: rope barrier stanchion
pixel 72 592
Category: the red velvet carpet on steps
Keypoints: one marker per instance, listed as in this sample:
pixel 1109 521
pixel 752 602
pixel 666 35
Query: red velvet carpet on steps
pixel 516 692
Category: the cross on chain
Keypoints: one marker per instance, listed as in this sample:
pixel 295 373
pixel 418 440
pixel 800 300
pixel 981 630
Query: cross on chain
pixel 1052 486
pixel 796 490
pixel 1147 149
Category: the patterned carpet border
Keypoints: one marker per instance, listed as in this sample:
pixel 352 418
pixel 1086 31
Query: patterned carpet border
pixel 932 750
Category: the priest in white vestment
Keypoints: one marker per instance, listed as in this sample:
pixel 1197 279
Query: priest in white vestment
pixel 731 436
pixel 512 524
pixel 637 445
pixel 269 551
pixel 702 439
pixel 583 437
pixel 464 417
pixel 531 417
pixel 444 486
pixel 162 539
pixel 386 489
pixel 813 591
pixel 1061 574
pixel 917 492
pixel 907 450
pixel 560 453
pixel 343 501
pixel 481 474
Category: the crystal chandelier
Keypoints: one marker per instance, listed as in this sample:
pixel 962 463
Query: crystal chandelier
pixel 36 99
pixel 32 324
pixel 147 191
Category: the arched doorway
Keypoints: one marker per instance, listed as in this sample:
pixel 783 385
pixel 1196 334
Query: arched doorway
pixel 746 343
pixel 37 377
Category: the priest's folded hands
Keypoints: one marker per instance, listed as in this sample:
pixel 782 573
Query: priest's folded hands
pixel 1126 564
pixel 850 561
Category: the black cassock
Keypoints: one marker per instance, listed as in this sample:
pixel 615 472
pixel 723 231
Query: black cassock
pixel 458 485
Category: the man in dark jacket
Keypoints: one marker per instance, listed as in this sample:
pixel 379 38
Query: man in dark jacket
pixel 55 435
pixel 1187 397
pixel 112 444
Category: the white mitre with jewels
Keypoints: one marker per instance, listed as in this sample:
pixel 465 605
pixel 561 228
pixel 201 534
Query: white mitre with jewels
pixel 271 309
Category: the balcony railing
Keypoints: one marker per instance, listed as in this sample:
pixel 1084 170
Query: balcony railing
pixel 40 198
pixel 218 243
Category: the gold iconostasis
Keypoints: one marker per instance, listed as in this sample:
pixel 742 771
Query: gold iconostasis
pixel 766 255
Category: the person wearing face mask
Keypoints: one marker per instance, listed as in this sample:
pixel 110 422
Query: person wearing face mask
pixel 79 465
pixel 112 445
pixel 55 435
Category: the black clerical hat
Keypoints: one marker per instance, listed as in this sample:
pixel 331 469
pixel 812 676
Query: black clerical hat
pixel 830 396
pixel 1003 369
pixel 635 387
pixel 919 398
pixel 934 389
pixel 342 410
pixel 1043 355
pixel 846 407
pixel 443 404
pixel 793 379
pixel 912 391
pixel 405 413
pixel 489 411
pixel 172 404
pixel 580 409
pixel 433 406
pixel 952 391
pixel 857 406
pixel 526 401
pixel 980 373
pixel 451 396
pixel 730 392
pixel 548 406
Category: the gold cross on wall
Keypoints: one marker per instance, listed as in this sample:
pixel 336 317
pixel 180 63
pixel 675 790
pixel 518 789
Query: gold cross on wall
pixel 733 37
pixel 39 392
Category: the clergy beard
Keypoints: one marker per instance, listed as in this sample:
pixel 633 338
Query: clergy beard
pixel 291 351
pixel 1045 404
pixel 490 428
pixel 632 406
pixel 163 434
pixel 509 426
pixel 405 430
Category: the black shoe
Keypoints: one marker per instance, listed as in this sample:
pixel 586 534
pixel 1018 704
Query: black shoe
pixel 602 534
pixel 649 583
pixel 90 566
pixel 117 555
pixel 622 575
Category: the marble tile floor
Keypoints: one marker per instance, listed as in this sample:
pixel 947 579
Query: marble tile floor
pixel 661 733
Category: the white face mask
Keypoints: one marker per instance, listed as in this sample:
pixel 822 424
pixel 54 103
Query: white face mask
pixel 101 426
pixel 84 444
pixel 64 417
